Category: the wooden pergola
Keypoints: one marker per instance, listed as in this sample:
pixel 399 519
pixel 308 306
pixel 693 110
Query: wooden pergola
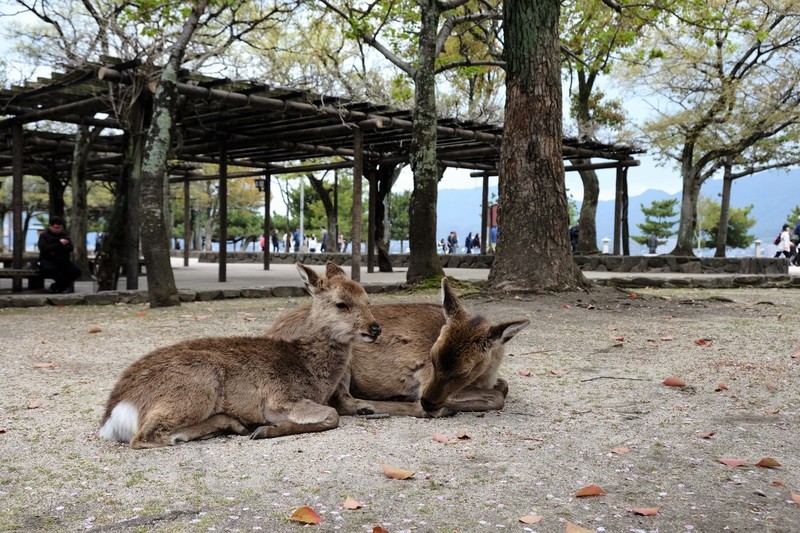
pixel 269 130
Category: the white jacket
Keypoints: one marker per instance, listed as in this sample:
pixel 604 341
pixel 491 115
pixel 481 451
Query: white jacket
pixel 785 244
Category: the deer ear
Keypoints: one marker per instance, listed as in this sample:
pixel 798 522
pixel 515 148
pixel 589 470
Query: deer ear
pixel 309 277
pixel 333 270
pixel 452 307
pixel 505 331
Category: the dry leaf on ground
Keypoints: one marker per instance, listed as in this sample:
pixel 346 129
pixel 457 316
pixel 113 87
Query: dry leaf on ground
pixel 590 490
pixel 350 503
pixel 575 528
pixel 531 518
pixel 622 450
pixel 732 462
pixel 674 381
pixel 645 511
pixel 95 329
pixel 44 365
pixel 768 462
pixel 396 473
pixel 306 515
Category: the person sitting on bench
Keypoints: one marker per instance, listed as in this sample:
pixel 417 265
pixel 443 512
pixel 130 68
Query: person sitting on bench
pixel 55 248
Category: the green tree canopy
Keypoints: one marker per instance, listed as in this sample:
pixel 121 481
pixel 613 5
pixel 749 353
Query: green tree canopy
pixel 659 219
pixel 739 223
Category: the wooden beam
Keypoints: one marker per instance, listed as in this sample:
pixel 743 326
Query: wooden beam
pixel 358 174
pixel 17 149
pixel 267 219
pixel 223 214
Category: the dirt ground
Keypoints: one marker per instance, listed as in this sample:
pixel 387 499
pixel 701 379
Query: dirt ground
pixel 586 407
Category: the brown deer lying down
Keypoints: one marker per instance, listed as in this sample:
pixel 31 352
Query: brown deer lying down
pixel 430 360
pixel 261 386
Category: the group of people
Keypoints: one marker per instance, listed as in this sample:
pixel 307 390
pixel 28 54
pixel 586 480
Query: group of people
pixel 310 242
pixel 786 245
pixel 472 244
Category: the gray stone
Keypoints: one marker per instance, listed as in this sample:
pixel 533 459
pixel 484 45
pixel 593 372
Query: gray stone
pixel 289 292
pixel 257 293
pixel 67 299
pixel 102 298
pixel 207 296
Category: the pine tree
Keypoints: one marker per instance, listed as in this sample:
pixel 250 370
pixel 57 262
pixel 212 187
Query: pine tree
pixel 659 220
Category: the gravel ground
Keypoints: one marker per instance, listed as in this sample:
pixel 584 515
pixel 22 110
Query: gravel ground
pixel 586 407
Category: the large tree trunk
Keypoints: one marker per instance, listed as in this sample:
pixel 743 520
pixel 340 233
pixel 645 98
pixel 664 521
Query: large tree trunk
pixel 330 212
pixel 689 197
pixel 387 175
pixel 725 207
pixel 155 235
pixel 424 261
pixel 80 222
pixel 587 222
pixel 533 250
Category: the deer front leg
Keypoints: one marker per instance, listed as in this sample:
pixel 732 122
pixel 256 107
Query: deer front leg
pixel 301 416
pixel 475 399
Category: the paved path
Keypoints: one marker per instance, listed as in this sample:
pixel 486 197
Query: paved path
pixel 205 277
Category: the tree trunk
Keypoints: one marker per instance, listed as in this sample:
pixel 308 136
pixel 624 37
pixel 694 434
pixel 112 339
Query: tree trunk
pixel 533 249
pixel 387 175
pixel 424 261
pixel 330 212
pixel 79 225
pixel 155 236
pixel 689 197
pixel 587 222
pixel 724 211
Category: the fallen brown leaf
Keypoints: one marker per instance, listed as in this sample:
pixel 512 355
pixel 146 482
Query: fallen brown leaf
pixel 622 450
pixel 141 313
pixel 732 462
pixel 779 484
pixel 703 342
pixel 306 515
pixel 796 356
pixel 95 329
pixel 645 511
pixel 379 529
pixel 768 462
pixel 34 405
pixel 523 372
pixel 707 435
pixel 721 387
pixel 44 365
pixel 667 338
pixel 674 381
pixel 396 473
pixel 589 490
pixel 461 435
pixel 531 518
pixel 796 498
pixel 559 373
pixel 438 437
pixel 634 295
pixel 619 339
pixel 350 503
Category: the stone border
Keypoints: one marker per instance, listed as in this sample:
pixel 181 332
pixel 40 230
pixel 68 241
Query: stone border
pixel 595 262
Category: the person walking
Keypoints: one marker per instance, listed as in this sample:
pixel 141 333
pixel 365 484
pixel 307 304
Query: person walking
pixel 55 248
pixel 452 243
pixel 784 242
pixel 468 243
pixel 276 241
pixel 476 243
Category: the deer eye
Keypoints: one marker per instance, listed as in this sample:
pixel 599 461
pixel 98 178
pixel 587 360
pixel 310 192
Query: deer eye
pixel 342 306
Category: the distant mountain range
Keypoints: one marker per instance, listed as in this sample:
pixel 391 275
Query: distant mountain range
pixel 773 196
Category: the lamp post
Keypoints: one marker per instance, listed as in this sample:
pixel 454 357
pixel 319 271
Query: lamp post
pixel 263 185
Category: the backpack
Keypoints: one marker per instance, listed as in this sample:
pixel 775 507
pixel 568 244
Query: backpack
pixel 777 239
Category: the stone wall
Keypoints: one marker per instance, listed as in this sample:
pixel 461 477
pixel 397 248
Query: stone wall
pixel 596 262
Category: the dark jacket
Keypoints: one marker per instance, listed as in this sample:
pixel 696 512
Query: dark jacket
pixel 51 249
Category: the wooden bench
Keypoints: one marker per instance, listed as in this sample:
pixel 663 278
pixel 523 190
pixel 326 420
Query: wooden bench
pixel 35 279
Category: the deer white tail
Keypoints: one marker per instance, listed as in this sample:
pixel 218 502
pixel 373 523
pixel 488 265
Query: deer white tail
pixel 123 423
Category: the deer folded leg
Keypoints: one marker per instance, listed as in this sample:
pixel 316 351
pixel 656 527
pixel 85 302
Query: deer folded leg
pixel 213 426
pixel 301 416
pixel 475 399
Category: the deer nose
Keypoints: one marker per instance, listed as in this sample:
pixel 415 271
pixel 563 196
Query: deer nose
pixel 428 406
pixel 375 330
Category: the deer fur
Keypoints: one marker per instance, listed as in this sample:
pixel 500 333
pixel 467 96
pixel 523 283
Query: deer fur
pixel 261 386
pixel 430 360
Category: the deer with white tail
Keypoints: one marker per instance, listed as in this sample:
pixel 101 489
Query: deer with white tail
pixel 262 386
pixel 430 360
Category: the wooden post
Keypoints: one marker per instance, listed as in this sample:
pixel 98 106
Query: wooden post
pixel 187 228
pixel 133 189
pixel 484 213
pixel 267 219
pixel 617 212
pixel 626 247
pixel 223 213
pixel 17 142
pixel 358 174
pixel 372 179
